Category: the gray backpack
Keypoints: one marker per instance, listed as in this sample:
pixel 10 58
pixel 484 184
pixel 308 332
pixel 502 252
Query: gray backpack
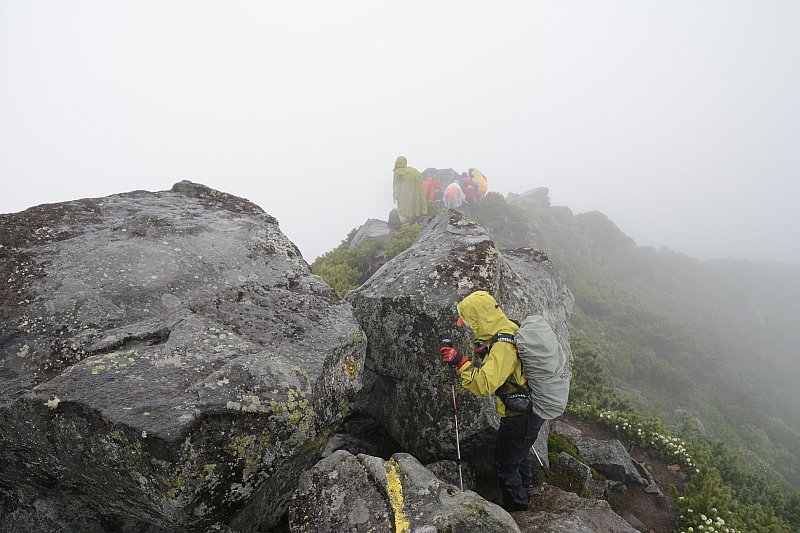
pixel 545 364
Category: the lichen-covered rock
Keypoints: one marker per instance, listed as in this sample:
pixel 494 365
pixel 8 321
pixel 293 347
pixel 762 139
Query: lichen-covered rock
pixel 168 362
pixel 610 458
pixel 569 465
pixel 448 472
pixel 367 494
pixel 556 511
pixel 408 306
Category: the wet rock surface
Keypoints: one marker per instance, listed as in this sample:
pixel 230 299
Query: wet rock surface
pixel 538 198
pixel 168 362
pixel 363 493
pixel 553 510
pixel 567 463
pixel 408 306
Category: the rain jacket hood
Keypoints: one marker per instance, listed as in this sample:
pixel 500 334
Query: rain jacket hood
pixel 482 314
pixel 400 162
pixel 501 367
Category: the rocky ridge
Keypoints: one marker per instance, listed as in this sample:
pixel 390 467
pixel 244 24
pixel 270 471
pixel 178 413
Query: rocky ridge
pixel 169 363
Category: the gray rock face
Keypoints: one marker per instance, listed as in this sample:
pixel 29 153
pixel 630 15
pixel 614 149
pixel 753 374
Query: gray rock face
pixel 350 443
pixel 561 428
pixel 538 198
pixel 168 362
pixel 408 306
pixel 363 493
pixel 447 471
pixel 610 458
pixel 383 233
pixel 375 229
pixel 554 299
pixel 557 511
pixel 445 175
pixel 566 463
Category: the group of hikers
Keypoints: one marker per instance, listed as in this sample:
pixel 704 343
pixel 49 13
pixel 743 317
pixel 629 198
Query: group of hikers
pixel 413 193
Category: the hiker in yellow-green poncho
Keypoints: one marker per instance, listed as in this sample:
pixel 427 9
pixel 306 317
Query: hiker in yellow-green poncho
pixel 407 191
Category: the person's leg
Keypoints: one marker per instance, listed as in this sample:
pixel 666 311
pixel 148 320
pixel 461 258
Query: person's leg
pixel 526 467
pixel 510 453
pixel 526 474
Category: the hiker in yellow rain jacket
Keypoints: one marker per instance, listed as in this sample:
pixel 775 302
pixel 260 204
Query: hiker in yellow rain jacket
pixel 501 374
pixel 481 183
pixel 407 191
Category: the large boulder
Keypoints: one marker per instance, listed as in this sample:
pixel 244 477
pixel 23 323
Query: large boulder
pixel 168 362
pixel 572 467
pixel 445 175
pixel 538 198
pixel 408 306
pixel 554 510
pixel 362 493
pixel 610 458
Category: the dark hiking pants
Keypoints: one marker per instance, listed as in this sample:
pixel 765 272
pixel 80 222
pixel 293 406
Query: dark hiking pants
pixel 513 459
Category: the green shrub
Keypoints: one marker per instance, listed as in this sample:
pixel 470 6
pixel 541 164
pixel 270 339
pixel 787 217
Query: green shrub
pixel 362 255
pixel 508 224
pixel 340 277
pixel 592 383
pixel 402 240
pixel 343 269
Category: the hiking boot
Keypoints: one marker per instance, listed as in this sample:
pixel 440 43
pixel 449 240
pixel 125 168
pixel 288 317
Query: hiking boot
pixel 515 507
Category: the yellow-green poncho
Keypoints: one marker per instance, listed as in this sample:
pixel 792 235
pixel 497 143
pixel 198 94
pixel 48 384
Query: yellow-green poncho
pixel 407 190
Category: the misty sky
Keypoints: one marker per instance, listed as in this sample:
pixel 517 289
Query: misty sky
pixel 678 120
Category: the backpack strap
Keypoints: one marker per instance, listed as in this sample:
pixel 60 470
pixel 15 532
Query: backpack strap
pixel 509 338
pixel 504 337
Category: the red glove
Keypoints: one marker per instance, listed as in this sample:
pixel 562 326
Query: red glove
pixel 451 356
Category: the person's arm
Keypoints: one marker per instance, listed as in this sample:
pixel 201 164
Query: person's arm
pixel 496 368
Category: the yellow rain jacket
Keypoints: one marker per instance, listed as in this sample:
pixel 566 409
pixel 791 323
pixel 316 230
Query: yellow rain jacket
pixel 407 190
pixel 481 313
pixel 480 182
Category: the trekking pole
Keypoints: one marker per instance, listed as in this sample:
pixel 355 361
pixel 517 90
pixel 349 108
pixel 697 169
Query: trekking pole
pixel 448 342
pixel 546 473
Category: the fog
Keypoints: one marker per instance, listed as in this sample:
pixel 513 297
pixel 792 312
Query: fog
pixel 678 120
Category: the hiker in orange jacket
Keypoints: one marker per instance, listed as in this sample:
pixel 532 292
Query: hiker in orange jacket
pixel 427 187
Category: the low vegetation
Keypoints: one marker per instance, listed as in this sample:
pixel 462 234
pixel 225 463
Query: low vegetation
pixel 344 269
pixel 402 241
pixel 721 495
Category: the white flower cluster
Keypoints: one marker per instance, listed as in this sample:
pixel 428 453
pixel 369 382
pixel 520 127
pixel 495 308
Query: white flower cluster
pixel 670 446
pixel 707 524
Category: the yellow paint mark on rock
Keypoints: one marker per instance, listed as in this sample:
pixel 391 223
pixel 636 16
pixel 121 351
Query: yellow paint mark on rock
pixel 395 489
